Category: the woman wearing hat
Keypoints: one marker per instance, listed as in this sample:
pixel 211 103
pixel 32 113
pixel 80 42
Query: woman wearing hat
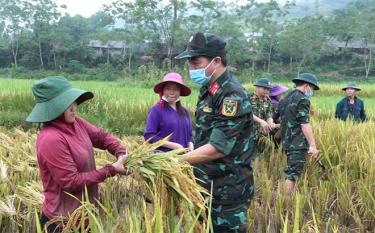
pixel 276 93
pixel 65 149
pixel 168 116
pixel 351 106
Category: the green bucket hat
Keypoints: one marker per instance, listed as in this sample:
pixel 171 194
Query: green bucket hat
pixel 263 82
pixel 203 44
pixel 351 85
pixel 308 78
pixel 53 96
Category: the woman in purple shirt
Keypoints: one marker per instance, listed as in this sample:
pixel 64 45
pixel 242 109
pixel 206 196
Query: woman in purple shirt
pixel 168 116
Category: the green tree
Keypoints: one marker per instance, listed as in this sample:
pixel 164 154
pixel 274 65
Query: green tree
pixel 14 15
pixel 366 32
pixel 68 40
pixel 44 14
pixel 302 41
pixel 153 20
pixel 266 23
pixel 356 22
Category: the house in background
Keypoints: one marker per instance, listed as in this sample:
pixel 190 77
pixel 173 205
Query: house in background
pixel 114 47
pixel 358 46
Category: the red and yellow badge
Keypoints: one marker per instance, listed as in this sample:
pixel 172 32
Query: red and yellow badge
pixel 229 107
pixel 214 88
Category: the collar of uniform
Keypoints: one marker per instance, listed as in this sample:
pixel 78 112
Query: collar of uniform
pixel 347 98
pixel 218 83
pixel 223 77
pixel 299 91
pixel 214 87
pixel 204 90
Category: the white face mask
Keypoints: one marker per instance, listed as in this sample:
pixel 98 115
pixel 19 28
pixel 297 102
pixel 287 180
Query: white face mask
pixel 166 100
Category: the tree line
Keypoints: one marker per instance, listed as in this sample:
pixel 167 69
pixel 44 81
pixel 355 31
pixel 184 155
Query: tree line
pixel 261 36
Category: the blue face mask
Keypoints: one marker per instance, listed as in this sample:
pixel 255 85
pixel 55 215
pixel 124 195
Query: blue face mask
pixel 198 76
pixel 309 94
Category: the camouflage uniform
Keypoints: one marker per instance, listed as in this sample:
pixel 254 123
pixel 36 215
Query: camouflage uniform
pixel 262 108
pixel 275 133
pixel 294 110
pixel 223 116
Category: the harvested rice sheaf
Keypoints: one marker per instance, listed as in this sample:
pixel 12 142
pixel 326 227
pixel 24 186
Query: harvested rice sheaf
pixel 149 165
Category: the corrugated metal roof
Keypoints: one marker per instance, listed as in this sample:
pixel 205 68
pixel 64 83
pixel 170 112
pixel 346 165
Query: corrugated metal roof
pixel 111 44
pixel 353 44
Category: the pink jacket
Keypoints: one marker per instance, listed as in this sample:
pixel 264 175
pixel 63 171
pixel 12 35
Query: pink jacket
pixel 66 162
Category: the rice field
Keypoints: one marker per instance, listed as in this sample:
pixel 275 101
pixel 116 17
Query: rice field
pixel 337 198
pixel 123 109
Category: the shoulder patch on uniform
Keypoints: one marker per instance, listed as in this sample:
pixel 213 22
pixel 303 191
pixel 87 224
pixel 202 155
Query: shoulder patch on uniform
pixel 229 107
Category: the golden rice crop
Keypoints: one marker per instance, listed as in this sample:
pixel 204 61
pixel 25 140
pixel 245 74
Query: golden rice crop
pixel 339 198
pixel 158 181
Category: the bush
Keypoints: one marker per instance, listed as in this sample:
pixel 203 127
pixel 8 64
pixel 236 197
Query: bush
pixel 356 71
pixel 75 66
pixel 148 74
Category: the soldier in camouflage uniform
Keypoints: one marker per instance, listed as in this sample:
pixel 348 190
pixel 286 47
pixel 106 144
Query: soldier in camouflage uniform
pixel 223 118
pixel 276 93
pixel 296 132
pixel 262 112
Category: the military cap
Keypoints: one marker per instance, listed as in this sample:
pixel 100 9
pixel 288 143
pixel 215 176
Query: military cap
pixel 203 44
pixel 263 82
pixel 307 78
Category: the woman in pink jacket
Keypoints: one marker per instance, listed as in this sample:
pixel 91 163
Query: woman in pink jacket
pixel 65 149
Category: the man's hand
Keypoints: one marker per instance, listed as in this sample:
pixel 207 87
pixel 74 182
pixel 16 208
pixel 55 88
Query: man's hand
pixel 265 126
pixel 272 126
pixel 313 152
pixel 191 146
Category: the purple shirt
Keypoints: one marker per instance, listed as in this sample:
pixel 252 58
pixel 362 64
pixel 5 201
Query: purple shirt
pixel 164 120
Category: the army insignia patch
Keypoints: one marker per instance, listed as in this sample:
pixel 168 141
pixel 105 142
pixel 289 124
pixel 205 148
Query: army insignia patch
pixel 229 107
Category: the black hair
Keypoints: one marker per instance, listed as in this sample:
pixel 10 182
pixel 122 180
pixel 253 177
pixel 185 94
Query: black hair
pixel 179 108
pixel 223 57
